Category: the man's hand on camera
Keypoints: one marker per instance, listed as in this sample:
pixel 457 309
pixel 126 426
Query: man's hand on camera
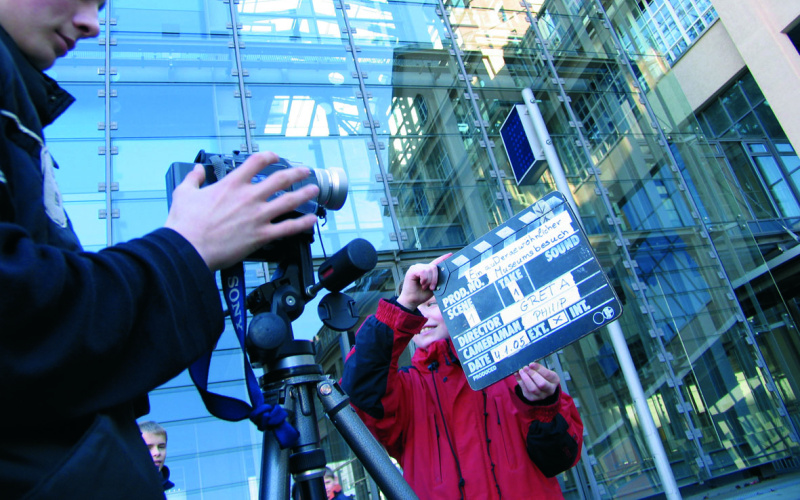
pixel 228 220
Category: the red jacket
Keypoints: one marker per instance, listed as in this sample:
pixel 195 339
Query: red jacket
pixel 453 442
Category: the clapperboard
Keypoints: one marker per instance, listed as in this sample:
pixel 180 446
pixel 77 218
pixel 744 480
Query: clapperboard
pixel 522 291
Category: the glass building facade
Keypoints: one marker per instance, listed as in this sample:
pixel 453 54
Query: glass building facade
pixel 693 215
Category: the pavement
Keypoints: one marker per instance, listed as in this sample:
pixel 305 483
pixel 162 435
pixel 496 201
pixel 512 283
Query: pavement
pixel 781 487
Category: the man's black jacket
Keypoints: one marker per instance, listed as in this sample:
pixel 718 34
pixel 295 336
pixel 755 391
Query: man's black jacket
pixel 82 335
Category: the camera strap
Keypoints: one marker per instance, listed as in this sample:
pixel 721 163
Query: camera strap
pixel 265 416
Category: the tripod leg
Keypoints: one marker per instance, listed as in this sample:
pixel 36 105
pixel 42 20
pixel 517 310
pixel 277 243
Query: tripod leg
pixel 274 470
pixel 305 461
pixel 371 454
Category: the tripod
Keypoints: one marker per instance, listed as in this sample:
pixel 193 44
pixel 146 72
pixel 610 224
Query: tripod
pixel 293 379
pixel 306 461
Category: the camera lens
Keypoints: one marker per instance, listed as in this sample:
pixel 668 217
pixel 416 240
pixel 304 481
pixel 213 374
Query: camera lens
pixel 333 186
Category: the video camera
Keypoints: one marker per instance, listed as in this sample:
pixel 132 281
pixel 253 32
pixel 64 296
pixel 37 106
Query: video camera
pixel 332 185
pixel 294 273
pixel 332 182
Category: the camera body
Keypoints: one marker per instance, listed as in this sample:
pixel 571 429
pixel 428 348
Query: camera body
pixel 332 182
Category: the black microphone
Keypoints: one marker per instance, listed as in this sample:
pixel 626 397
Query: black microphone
pixel 345 266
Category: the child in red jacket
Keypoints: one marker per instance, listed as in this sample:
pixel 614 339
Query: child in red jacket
pixel 508 440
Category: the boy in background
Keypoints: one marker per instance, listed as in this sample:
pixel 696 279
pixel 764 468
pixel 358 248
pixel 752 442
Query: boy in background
pixel 155 437
pixel 332 487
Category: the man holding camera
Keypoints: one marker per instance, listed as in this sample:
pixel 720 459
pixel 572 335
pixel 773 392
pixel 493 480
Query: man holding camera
pixel 85 336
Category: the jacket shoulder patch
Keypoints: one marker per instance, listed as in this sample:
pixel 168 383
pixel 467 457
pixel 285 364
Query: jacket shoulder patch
pixel 51 195
pixel 53 203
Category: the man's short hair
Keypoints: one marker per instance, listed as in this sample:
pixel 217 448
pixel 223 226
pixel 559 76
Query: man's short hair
pixel 152 428
pixel 329 473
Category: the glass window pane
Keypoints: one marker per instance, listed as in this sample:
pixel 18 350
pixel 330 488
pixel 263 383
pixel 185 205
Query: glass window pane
pixel 147 57
pixel 83 118
pixel 796 178
pixel 749 182
pixel 786 200
pixel 142 164
pixel 81 64
pixel 735 103
pixel 771 124
pixel 138 217
pixel 717 118
pixel 293 22
pixel 781 192
pixel 749 127
pixel 173 110
pixel 757 147
pixel 397 23
pixel 84 211
pixel 326 65
pixel 81 168
pixel 307 111
pixel 751 89
pixel 171 18
pixel 791 162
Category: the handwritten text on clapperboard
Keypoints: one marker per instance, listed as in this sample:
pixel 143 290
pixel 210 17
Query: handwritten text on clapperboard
pixel 526 318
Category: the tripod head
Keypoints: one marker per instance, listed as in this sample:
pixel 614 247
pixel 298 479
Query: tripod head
pixel 276 304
